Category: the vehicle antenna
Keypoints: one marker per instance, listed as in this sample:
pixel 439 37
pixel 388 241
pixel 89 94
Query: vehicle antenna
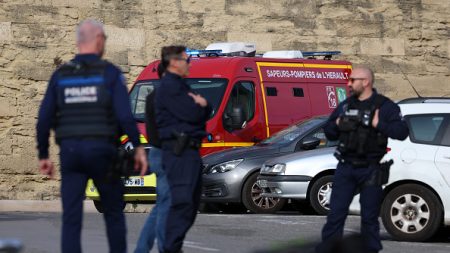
pixel 407 79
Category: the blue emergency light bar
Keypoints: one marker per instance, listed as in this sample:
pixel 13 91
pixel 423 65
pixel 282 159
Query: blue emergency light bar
pixel 321 53
pixel 327 54
pixel 204 52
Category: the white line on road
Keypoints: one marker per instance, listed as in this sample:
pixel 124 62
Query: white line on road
pixel 194 245
pixel 286 222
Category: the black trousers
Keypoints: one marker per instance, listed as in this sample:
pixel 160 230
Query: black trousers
pixel 80 160
pixel 184 175
pixel 346 181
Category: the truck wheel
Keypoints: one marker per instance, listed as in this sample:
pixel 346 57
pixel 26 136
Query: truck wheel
pixel 320 194
pixel 411 212
pixel 253 201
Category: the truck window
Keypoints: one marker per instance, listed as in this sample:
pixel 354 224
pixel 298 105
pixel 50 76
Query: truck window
pixel 298 92
pixel 212 89
pixel 243 94
pixel 137 98
pixel 271 91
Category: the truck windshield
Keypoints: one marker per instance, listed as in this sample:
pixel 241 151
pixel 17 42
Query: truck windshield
pixel 212 89
pixel 291 133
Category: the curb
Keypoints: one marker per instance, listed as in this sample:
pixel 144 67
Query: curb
pixel 54 206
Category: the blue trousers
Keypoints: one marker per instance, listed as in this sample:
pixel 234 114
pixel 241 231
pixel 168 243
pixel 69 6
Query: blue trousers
pixel 80 160
pixel 155 224
pixel 184 174
pixel 346 182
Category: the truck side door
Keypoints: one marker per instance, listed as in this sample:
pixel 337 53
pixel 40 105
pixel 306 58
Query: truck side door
pixel 243 97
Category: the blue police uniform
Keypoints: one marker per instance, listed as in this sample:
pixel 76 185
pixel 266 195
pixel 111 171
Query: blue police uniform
pixel 176 113
pixel 155 225
pixel 351 176
pixel 87 105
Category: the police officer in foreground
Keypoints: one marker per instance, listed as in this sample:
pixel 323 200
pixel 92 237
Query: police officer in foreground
pixel 362 124
pixel 181 117
pixel 155 225
pixel 87 104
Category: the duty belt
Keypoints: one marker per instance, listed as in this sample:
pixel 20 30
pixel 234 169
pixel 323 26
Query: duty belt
pixel 192 144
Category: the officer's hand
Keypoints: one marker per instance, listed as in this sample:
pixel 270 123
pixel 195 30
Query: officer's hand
pixel 199 99
pixel 140 161
pixel 376 118
pixel 338 120
pixel 46 167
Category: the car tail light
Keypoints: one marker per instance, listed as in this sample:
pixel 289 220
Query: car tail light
pixel 388 149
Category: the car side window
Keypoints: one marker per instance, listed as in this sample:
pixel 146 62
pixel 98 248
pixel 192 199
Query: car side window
pixel 243 94
pixel 425 128
pixel 446 138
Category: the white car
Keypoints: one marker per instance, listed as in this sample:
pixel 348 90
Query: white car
pixel 417 196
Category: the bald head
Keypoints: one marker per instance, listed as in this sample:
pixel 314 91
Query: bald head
pixel 91 37
pixel 360 82
pixel 365 72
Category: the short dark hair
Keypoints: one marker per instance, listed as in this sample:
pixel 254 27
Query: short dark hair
pixel 168 53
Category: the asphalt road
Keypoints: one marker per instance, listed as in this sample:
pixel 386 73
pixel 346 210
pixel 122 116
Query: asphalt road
pixel 211 233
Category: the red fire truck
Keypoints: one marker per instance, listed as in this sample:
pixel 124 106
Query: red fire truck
pixel 252 96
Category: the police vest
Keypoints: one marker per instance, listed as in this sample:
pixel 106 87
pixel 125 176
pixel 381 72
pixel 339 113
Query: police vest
pixel 357 138
pixel 84 103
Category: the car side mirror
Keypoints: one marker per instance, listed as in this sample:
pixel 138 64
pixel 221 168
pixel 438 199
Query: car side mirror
pixel 310 143
pixel 235 119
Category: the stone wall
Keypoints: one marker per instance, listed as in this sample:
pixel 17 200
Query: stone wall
pixel 407 42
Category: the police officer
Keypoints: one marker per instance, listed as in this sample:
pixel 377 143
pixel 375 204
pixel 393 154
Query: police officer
pixel 86 103
pixel 155 225
pixel 181 117
pixel 362 124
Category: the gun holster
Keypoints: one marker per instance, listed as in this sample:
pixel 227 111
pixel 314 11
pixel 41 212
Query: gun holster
pixel 380 176
pixel 122 165
pixel 383 173
pixel 182 141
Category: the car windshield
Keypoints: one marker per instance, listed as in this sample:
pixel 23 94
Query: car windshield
pixel 212 89
pixel 291 133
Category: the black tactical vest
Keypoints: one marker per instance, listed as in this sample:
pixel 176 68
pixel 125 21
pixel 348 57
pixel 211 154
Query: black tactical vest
pixel 84 103
pixel 358 140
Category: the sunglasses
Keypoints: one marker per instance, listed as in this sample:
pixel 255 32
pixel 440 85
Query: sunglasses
pixel 352 79
pixel 187 60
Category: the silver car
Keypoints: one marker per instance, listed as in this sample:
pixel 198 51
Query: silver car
pixel 302 176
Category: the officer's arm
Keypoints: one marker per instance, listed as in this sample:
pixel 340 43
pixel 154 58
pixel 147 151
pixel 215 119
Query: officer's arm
pixel 122 109
pixel 46 118
pixel 391 123
pixel 208 110
pixel 331 129
pixel 181 105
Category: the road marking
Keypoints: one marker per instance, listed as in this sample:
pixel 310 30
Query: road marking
pixel 194 245
pixel 287 222
pixel 357 231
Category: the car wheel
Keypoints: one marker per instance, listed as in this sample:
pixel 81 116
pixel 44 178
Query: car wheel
pixel 99 206
pixel 411 213
pixel 254 201
pixel 320 194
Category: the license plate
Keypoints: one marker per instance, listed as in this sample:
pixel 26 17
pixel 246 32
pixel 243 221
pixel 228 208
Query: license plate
pixel 134 181
pixel 262 183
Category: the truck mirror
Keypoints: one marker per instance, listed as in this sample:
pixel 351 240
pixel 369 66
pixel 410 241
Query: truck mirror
pixel 237 117
pixel 310 143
